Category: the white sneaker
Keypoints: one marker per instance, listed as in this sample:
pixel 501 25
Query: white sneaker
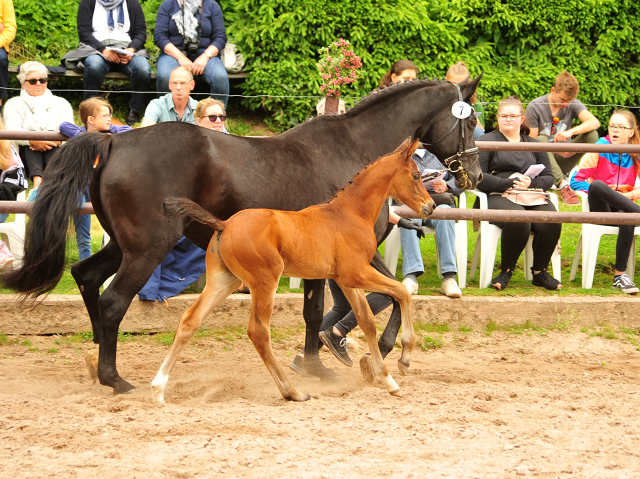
pixel 450 288
pixel 411 285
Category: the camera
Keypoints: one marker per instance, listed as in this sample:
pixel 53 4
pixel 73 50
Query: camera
pixel 191 49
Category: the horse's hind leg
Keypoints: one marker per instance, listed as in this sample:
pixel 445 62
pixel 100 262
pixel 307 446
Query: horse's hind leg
pixel 366 321
pixel 89 274
pixel 259 332
pixel 220 284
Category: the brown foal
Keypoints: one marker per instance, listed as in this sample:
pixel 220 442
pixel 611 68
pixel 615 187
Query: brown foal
pixel 333 240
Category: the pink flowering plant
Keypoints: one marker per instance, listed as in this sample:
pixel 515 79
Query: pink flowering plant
pixel 338 66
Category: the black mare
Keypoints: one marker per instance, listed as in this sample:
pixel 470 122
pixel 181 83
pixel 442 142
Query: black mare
pixel 224 174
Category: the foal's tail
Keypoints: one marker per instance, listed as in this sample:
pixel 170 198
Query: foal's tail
pixel 183 207
pixel 66 177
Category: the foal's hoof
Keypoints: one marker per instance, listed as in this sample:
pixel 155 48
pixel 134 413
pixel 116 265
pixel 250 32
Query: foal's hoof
pixel 298 396
pixel 402 367
pixel 366 368
pixel 91 360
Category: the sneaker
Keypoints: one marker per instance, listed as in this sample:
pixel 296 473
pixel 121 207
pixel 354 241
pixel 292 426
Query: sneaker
pixel 544 279
pixel 624 283
pixel 411 285
pixel 450 288
pixel 568 196
pixel 337 345
pixel 501 281
pixel 132 117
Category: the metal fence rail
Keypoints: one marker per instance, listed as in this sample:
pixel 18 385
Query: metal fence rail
pixel 441 213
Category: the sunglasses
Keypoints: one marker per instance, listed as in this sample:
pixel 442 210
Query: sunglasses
pixel 33 81
pixel 553 130
pixel 213 118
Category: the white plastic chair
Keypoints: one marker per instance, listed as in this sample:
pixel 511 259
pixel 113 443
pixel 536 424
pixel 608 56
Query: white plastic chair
pixel 392 246
pixel 13 233
pixel 487 245
pixel 588 244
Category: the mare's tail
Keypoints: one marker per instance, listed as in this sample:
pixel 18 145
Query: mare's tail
pixel 66 177
pixel 183 207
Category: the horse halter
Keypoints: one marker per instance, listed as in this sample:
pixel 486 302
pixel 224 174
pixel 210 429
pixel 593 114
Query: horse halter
pixel 453 163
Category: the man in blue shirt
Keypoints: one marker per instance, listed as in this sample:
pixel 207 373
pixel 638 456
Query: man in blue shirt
pixel 174 106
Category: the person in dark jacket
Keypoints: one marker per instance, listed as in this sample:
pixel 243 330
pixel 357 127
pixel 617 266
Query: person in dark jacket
pixel 117 31
pixel 502 170
pixel 191 34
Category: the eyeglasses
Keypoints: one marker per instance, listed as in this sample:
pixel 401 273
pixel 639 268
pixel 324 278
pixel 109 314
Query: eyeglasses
pixel 213 118
pixel 618 128
pixel 106 116
pixel 509 117
pixel 33 81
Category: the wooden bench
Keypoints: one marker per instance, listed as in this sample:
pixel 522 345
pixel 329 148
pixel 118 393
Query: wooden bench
pixel 114 75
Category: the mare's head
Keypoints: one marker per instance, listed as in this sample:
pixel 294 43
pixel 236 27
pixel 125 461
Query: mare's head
pixel 406 184
pixel 448 133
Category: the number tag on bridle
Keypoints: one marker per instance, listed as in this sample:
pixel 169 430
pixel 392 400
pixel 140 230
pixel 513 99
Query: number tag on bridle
pixel 461 110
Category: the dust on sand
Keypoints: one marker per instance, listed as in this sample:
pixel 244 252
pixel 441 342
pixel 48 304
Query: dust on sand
pixel 556 404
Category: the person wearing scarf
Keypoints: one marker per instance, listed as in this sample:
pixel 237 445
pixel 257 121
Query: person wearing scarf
pixel 191 34
pixel 114 33
pixel 36 109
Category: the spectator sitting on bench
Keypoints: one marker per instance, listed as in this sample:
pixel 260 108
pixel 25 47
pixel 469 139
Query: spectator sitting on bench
pixel 195 47
pixel 112 35
pixel 36 109
pixel 550 117
pixel 175 106
pixel 12 182
pixel 8 28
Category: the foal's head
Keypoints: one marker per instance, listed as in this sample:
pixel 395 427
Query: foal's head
pixel 406 185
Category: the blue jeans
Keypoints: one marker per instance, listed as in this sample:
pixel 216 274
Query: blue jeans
pixel 4 74
pixel 445 239
pixel 214 74
pixel 3 217
pixel 138 71
pixel 83 230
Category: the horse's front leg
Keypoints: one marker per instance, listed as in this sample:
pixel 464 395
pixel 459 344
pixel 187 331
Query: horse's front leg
pixel 312 311
pixel 388 338
pixel 366 321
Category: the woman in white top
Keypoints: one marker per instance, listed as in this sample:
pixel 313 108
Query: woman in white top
pixel 36 109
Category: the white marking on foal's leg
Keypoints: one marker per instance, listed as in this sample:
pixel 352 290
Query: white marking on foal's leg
pixel 392 386
pixel 158 386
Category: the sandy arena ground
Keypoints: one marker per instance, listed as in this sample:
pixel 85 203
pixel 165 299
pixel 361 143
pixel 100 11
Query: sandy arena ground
pixel 558 404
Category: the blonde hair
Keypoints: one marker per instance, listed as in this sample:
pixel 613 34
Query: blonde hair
pixel 514 100
pixel 181 70
pixel 202 106
pixel 91 107
pixel 633 123
pixel 5 150
pixel 567 83
pixel 460 70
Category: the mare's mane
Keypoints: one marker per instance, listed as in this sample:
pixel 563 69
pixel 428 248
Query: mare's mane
pixel 372 99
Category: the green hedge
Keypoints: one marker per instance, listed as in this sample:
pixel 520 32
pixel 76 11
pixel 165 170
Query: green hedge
pixel 520 45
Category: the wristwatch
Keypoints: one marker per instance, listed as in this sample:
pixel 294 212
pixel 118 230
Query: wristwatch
pixel 207 54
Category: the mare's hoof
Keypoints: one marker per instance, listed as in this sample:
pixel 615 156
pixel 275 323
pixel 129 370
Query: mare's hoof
pixel 366 368
pixel 403 368
pixel 123 387
pixel 91 360
pixel 312 368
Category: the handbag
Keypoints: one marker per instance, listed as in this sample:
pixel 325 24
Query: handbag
pixel 443 198
pixel 526 197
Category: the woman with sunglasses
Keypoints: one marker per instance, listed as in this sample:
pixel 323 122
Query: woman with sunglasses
pixel 610 182
pixel 503 170
pixel 210 114
pixel 36 109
